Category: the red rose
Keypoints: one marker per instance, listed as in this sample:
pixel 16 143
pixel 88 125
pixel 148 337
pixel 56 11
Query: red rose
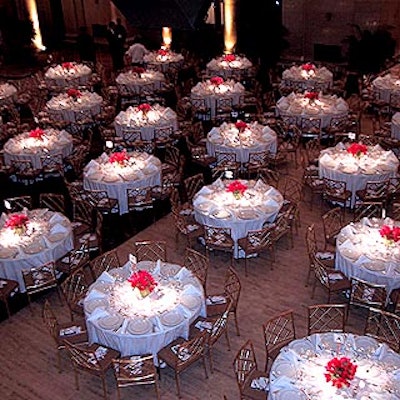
pixel 229 57
pixel 144 108
pixel 216 80
pixel 356 149
pixel 311 95
pixel 340 371
pixel 138 70
pixel 308 67
pixel 236 187
pixel 163 52
pixel 17 221
pixel 36 133
pixel 75 93
pixel 142 280
pixel 119 157
pixel 68 65
pixel 241 125
pixel 391 234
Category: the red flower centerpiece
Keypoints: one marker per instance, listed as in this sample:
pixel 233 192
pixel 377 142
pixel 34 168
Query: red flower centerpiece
pixel 120 157
pixel 163 52
pixel 18 223
pixel 237 188
pixel 68 65
pixel 241 125
pixel 312 96
pixel 74 93
pixel 36 133
pixel 138 70
pixel 340 371
pixel 216 80
pixel 308 67
pixel 144 108
pixel 143 281
pixel 229 58
pixel 391 234
pixel 357 149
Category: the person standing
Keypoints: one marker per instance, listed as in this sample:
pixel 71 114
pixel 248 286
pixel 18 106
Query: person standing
pixel 120 38
pixel 135 53
pixel 112 43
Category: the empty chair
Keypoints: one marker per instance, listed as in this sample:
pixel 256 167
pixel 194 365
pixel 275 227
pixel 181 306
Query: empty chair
pixel 278 332
pixel 218 239
pixel 189 228
pixel 140 199
pixel 201 111
pixel 162 136
pixel 366 294
pixel 326 318
pixel 151 250
pixel 24 172
pixel 310 127
pixel 368 209
pixel 192 185
pixel 104 262
pixel 198 264
pixel 332 222
pixel 226 161
pixel 14 204
pixel 76 259
pixel 258 161
pixel 100 200
pixel 336 192
pixel 52 201
pixel 136 371
pixel 52 165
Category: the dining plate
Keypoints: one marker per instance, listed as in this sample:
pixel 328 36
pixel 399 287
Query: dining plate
pixel 171 318
pixel 283 368
pixel 375 266
pixel 139 326
pixel 8 252
pixel 119 273
pixel 290 394
pixel 364 343
pixel 34 248
pixel 110 178
pixel 102 287
pixel 56 237
pixel 350 253
pixel 391 360
pixel 91 305
pixel 221 214
pixel 168 270
pixel 247 214
pixel 301 346
pixel 204 206
pixel 190 301
pixel 149 266
pixel 110 322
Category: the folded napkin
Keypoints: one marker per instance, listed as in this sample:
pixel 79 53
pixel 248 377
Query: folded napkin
pixel 98 313
pixel 58 228
pixel 261 383
pixel 169 113
pixel 261 186
pixel 56 218
pixel 203 325
pixel 325 255
pixel 216 299
pixel 95 294
pixel 106 277
pixel 71 330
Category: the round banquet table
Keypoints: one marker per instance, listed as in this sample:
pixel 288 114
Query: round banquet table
pixel 395 126
pixel 157 117
pixel 119 318
pixel 49 236
pixel 376 165
pixel 164 63
pixel 253 138
pixel 227 90
pixel 298 371
pixel 7 93
pixel 214 206
pixel 238 68
pixel 25 148
pixel 385 85
pixel 361 252
pixel 67 108
pixel 325 107
pixel 135 81
pixel 142 170
pixel 300 78
pixel 68 74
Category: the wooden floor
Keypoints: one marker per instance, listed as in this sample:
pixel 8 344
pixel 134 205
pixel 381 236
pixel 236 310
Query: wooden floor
pixel 28 357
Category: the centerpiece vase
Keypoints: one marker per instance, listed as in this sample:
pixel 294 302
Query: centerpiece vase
pixel 19 230
pixel 237 195
pixel 144 293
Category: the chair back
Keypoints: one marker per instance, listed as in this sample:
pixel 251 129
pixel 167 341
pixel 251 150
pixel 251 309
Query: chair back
pixel 219 326
pixel 151 250
pixel 218 237
pixel 39 278
pixel 74 289
pixel 52 201
pixel 232 288
pixel 139 198
pixel 198 264
pixel 327 318
pixel 83 358
pixel 332 222
pixel 192 185
pixel 50 320
pixel 366 294
pixel 191 350
pixel 368 209
pixel 244 364
pixel 14 204
pixel 104 262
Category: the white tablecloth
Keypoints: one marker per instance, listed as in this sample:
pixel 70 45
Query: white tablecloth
pixel 395 126
pixel 376 165
pixel 48 237
pixel 67 108
pixel 254 138
pixel 238 68
pixel 214 206
pixel 298 371
pixel 157 117
pixel 25 148
pixel 178 292
pixel 164 63
pixel 361 252
pixel 136 81
pixel 142 170
pixel 7 93
pixel 325 107
pixel 227 90
pixel 385 85
pixel 298 78
pixel 68 74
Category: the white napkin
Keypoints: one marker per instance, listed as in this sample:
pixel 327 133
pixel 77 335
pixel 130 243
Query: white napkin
pixel 261 383
pixel 98 313
pixel 55 218
pixel 58 228
pixel 261 186
pixel 95 294
pixel 106 277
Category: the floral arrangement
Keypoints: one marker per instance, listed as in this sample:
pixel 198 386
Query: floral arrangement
pixel 18 223
pixel 237 188
pixel 120 157
pixel 240 125
pixel 163 52
pixel 390 234
pixel 36 133
pixel 216 80
pixel 144 108
pixel 340 371
pixel 229 57
pixel 138 70
pixel 357 149
pixel 74 93
pixel 308 67
pixel 311 95
pixel 143 281
pixel 68 65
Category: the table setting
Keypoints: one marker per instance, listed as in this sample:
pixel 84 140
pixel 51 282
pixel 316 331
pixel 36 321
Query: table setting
pixel 370 250
pixel 67 106
pixel 229 65
pixel 32 145
pixel 142 307
pixel 335 366
pixel 146 118
pixel 312 105
pixel 68 74
pixel 239 205
pixel 357 164
pixel 385 85
pixel 163 60
pixel 242 139
pixel 117 172
pixel 137 77
pixel 32 238
pixel 307 77
pixel 8 93
pixel 217 88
